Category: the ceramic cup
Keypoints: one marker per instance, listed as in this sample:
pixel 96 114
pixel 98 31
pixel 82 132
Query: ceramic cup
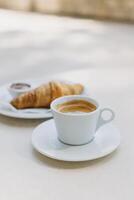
pixel 78 129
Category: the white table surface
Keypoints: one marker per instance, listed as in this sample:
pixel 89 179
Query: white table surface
pixel 97 53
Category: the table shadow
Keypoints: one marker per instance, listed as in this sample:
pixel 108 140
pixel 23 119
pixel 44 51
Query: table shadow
pixel 72 165
pixel 43 160
pixel 19 123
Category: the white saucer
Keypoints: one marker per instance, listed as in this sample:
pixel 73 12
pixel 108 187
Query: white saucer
pixel 44 140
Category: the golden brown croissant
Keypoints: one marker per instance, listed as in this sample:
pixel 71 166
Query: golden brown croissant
pixel 42 96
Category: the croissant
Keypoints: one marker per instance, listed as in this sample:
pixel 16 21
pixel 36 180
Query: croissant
pixel 42 96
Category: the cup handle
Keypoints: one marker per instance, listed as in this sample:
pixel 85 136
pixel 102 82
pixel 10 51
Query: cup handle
pixel 102 121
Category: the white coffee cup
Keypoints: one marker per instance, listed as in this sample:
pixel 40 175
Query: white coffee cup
pixel 75 128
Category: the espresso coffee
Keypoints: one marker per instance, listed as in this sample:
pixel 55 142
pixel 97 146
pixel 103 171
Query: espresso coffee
pixel 76 106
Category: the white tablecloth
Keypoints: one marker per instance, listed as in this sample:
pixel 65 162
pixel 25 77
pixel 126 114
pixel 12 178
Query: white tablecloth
pixel 37 46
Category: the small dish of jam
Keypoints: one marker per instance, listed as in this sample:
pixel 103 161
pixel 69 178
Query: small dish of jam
pixel 17 89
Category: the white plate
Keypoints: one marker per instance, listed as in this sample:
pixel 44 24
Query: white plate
pixel 44 140
pixel 5 97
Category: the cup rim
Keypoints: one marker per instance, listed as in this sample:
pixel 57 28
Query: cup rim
pixel 74 96
pixel 19 90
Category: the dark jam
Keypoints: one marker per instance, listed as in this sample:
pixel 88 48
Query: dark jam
pixel 20 86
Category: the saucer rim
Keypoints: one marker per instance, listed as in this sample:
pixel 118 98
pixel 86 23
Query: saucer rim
pixel 106 153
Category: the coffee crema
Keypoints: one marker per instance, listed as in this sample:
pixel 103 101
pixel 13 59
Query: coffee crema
pixel 76 106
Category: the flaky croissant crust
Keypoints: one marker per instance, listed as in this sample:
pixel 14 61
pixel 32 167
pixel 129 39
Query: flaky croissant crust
pixel 42 96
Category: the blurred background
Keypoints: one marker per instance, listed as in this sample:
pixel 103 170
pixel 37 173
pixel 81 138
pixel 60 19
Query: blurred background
pixel 105 9
pixel 43 37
